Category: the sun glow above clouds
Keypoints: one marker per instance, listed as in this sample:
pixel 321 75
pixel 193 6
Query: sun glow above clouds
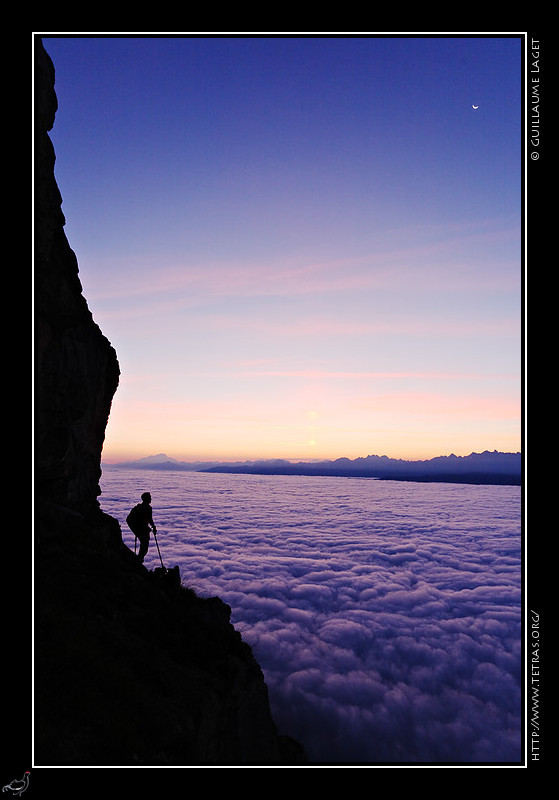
pixel 307 415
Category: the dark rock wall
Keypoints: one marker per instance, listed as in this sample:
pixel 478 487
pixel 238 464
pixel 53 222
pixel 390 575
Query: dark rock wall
pixel 131 668
pixel 77 370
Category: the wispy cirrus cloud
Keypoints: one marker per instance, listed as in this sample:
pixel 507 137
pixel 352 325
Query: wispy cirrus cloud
pixel 357 375
pixel 313 326
pixel 453 262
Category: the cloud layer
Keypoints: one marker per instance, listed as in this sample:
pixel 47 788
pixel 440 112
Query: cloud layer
pixel 385 615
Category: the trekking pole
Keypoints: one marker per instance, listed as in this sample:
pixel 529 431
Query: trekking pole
pixel 158 550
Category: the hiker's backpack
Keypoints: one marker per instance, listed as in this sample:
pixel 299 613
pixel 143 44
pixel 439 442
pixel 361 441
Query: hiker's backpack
pixel 134 517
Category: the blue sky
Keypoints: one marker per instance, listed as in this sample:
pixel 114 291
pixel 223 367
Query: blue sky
pixel 300 247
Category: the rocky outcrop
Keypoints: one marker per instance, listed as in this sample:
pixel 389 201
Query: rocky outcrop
pixel 131 667
pixel 134 669
pixel 77 370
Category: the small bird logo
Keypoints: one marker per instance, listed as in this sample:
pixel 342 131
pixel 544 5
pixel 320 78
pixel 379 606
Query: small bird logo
pixel 17 787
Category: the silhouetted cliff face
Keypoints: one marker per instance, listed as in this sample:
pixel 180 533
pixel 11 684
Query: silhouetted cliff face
pixel 131 667
pixel 76 368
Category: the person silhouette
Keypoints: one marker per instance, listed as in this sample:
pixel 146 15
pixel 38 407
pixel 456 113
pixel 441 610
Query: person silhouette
pixel 139 521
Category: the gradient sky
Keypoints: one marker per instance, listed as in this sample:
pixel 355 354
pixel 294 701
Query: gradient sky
pixel 300 247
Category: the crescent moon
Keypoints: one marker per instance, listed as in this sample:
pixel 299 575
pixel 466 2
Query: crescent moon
pixel 475 106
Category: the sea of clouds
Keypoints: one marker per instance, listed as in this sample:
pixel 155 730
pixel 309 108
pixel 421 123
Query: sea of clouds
pixel 386 615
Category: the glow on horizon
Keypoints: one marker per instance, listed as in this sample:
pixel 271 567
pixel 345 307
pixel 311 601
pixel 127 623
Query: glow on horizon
pixel 316 256
pixel 425 425
pixel 254 365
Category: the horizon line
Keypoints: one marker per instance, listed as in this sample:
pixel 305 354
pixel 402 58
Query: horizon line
pixel 243 459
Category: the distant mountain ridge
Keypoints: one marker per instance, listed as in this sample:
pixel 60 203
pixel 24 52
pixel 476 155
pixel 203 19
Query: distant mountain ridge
pixel 164 462
pixel 487 467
